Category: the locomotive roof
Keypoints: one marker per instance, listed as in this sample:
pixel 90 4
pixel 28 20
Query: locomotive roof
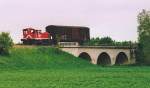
pixel 61 26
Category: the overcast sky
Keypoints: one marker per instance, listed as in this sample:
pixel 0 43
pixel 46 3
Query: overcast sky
pixel 114 18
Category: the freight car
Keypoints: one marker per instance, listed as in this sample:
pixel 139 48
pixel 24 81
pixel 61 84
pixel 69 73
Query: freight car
pixel 68 33
pixel 32 36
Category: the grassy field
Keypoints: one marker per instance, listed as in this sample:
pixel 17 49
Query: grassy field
pixel 45 67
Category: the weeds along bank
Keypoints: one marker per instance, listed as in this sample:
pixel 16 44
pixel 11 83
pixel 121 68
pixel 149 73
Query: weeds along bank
pixel 41 57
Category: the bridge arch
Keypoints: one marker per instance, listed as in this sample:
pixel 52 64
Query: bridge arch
pixel 104 59
pixel 85 56
pixel 121 58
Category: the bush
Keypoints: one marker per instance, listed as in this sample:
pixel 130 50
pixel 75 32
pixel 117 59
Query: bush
pixel 5 43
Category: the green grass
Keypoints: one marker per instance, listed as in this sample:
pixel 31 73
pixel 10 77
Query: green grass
pixel 41 57
pixel 45 67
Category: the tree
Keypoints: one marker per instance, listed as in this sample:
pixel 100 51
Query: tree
pixel 144 37
pixel 99 41
pixel 5 43
pixel 106 41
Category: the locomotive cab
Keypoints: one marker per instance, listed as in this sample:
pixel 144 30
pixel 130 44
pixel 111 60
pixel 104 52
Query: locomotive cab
pixel 28 33
pixel 32 36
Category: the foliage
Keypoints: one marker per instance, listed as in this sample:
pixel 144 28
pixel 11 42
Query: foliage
pixel 5 43
pixel 106 41
pixel 144 37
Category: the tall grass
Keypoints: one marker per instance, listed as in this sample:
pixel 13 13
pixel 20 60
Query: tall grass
pixel 41 57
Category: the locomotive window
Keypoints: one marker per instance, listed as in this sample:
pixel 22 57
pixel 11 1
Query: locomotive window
pixel 32 31
pixel 25 32
pixel 51 37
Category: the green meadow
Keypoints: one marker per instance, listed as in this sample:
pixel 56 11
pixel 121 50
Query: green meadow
pixel 46 67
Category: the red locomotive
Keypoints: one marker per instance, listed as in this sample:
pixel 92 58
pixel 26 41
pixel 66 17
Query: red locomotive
pixel 33 36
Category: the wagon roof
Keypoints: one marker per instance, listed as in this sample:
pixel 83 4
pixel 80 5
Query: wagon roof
pixel 76 27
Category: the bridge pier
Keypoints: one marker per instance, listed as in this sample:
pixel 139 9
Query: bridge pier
pixel 94 61
pixel 113 59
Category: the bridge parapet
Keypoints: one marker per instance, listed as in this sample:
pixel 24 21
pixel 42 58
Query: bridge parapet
pixel 105 47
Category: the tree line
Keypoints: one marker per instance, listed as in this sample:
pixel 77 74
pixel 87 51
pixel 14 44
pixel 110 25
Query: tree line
pixel 106 41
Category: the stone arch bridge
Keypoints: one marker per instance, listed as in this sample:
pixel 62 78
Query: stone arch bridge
pixel 103 55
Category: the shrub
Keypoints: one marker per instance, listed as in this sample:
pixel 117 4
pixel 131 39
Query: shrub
pixel 5 43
